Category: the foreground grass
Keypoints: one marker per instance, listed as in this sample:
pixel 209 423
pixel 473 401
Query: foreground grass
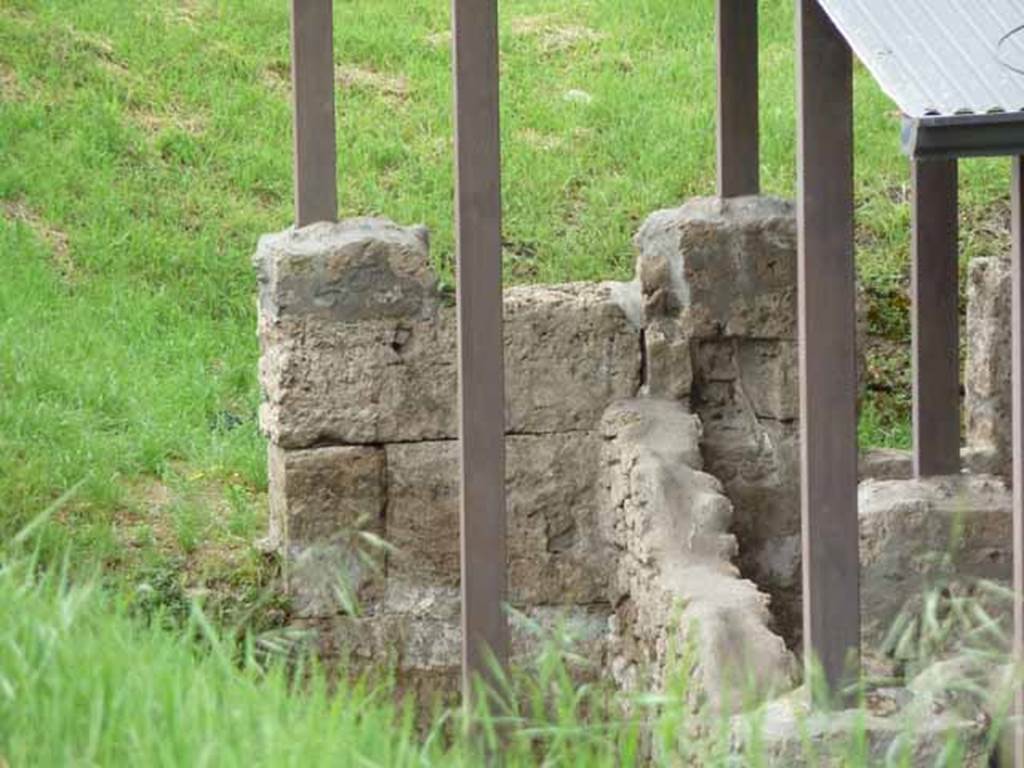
pixel 82 683
pixel 145 146
pixel 87 678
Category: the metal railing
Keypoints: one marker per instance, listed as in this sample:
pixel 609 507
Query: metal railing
pixel 478 286
pixel 827 318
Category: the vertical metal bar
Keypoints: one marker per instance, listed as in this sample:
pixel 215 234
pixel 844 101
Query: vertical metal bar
pixel 935 318
pixel 1017 236
pixel 738 151
pixel 316 193
pixel 481 356
pixel 828 370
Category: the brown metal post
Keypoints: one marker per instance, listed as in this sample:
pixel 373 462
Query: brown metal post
pixel 316 193
pixel 828 369
pixel 481 355
pixel 1017 230
pixel 738 152
pixel 935 318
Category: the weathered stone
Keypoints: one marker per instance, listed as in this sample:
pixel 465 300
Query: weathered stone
pixel 762 375
pixel 418 636
pixel 328 378
pixel 553 556
pixel 894 727
pixel 722 275
pixel 725 267
pixel 570 351
pixel 917 535
pixel 669 369
pixel 988 400
pixel 349 271
pixel 669 525
pixel 358 383
pixel 758 462
pixel 897 464
pixel 326 505
pixel 886 464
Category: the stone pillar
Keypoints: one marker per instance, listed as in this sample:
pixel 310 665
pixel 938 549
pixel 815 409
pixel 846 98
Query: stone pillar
pixel 988 401
pixel 718 280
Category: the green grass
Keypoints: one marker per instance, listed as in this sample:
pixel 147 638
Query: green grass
pixel 146 146
pixel 88 677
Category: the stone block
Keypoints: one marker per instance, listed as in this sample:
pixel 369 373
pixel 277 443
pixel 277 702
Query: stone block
pixel 758 462
pixel 769 376
pixel 988 400
pixel 669 367
pixel 358 383
pixel 553 556
pixel 917 535
pixel 570 351
pixel 336 368
pixel 326 508
pixel 419 638
pixel 725 267
pixel 895 726
pixel 349 271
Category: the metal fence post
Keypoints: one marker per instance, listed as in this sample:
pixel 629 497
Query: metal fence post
pixel 738 136
pixel 481 348
pixel 828 368
pixel 316 194
pixel 935 318
pixel 1017 235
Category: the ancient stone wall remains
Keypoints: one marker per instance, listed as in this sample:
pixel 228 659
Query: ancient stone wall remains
pixel 719 278
pixel 653 459
pixel 359 380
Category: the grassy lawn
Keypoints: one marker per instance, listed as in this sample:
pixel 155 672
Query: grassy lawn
pixel 145 146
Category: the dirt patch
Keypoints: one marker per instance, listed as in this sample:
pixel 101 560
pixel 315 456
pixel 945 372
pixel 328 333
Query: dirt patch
pixel 57 240
pixel 543 141
pixel 554 36
pixel 102 49
pixel 350 76
pixel 193 516
pixel 154 122
pixel 440 39
pixel 277 77
pixel 9 89
pixel 184 12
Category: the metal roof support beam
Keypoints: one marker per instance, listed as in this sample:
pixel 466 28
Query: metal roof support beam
pixel 995 135
pixel 1017 233
pixel 935 318
pixel 481 348
pixel 828 368
pixel 738 151
pixel 316 172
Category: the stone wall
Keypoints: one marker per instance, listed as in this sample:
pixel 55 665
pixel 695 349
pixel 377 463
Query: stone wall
pixel 359 380
pixel 719 278
pixel 653 457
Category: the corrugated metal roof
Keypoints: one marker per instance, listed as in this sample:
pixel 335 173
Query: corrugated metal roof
pixel 939 57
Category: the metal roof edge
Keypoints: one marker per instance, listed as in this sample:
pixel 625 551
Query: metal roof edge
pixel 989 135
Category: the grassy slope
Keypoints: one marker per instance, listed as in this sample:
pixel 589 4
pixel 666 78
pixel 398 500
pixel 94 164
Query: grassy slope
pixel 146 145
